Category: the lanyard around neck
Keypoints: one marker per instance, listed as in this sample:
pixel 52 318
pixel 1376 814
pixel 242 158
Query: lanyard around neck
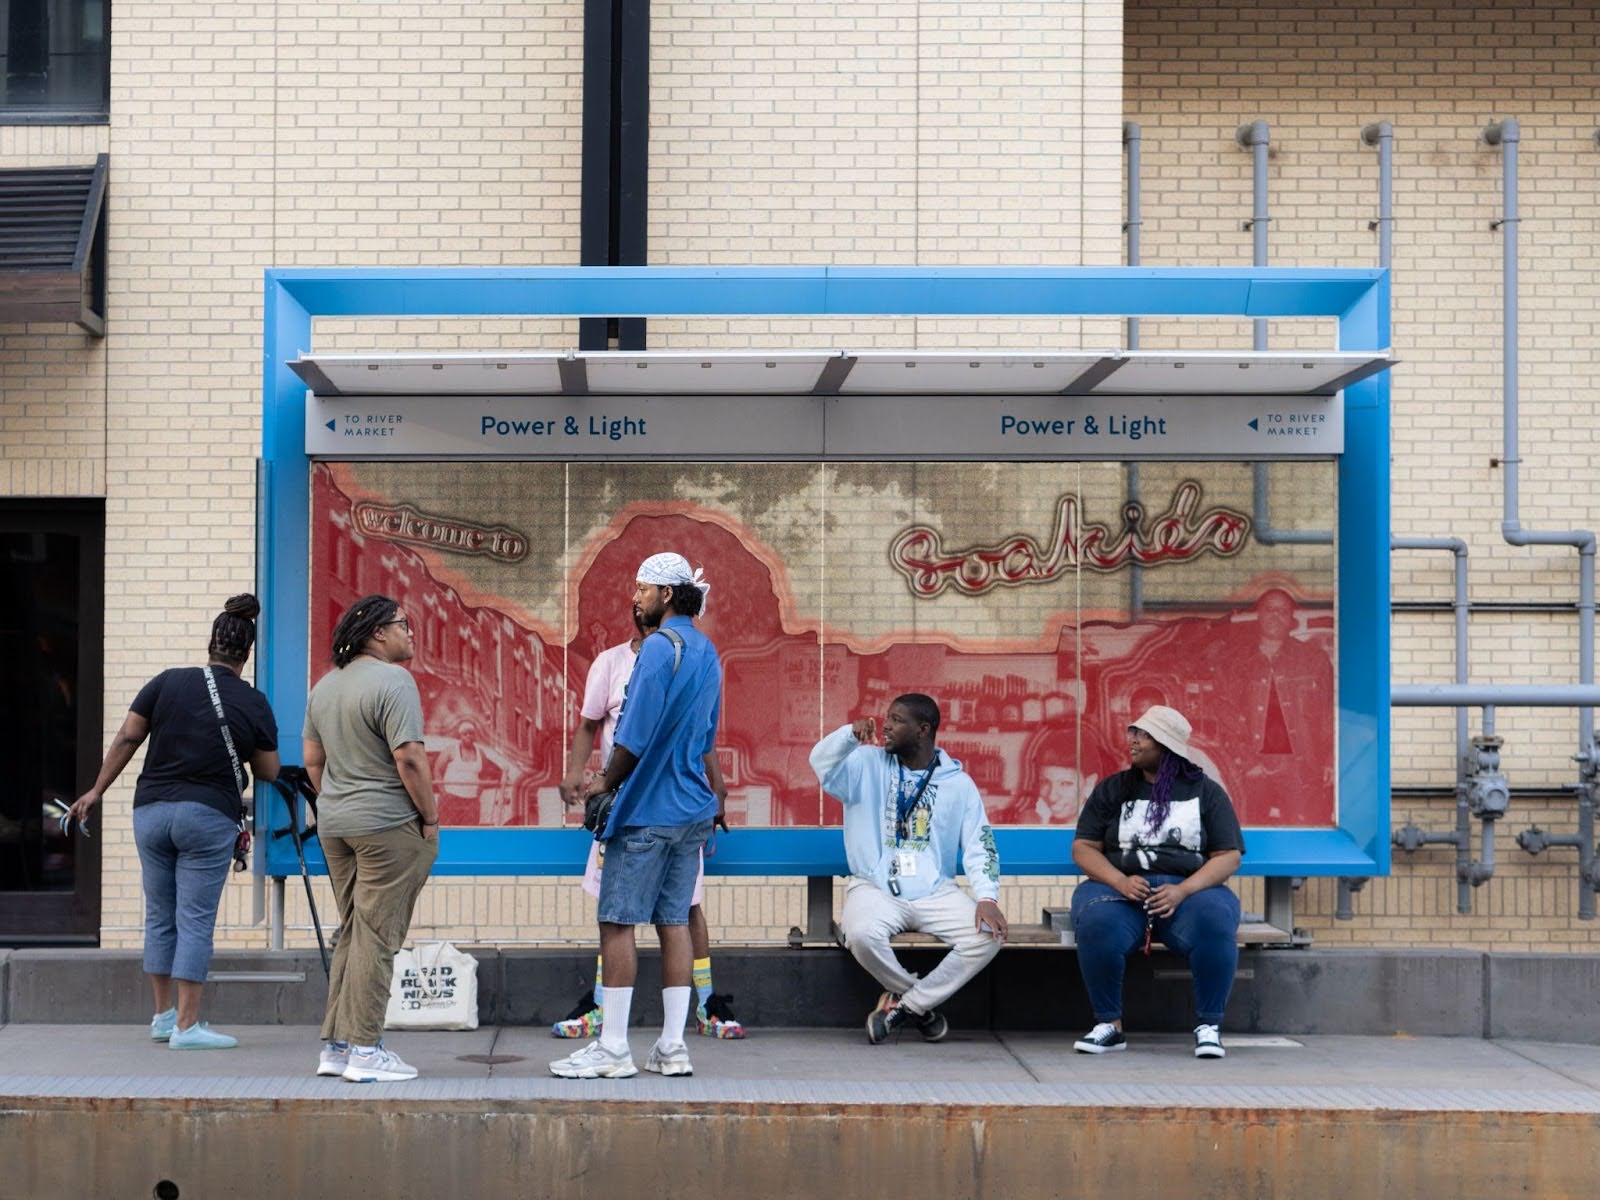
pixel 903 808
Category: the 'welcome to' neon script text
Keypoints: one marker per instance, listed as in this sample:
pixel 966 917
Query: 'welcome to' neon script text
pixel 1179 534
pixel 403 523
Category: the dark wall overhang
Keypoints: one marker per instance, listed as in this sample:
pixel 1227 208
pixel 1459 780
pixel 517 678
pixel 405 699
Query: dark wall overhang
pixel 53 245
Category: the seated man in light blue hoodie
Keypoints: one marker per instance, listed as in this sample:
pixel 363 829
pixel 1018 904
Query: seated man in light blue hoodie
pixel 912 816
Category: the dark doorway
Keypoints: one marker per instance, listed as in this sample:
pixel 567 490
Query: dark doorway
pixel 52 571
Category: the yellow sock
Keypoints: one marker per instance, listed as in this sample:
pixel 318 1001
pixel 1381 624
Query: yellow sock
pixel 702 979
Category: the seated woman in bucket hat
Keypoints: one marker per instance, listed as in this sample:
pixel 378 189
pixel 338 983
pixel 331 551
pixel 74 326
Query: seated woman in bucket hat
pixel 1157 842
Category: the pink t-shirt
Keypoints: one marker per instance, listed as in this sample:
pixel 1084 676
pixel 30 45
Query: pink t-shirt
pixel 604 689
pixel 603 693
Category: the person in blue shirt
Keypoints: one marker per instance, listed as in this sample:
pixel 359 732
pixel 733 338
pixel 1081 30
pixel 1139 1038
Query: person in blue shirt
pixel 662 816
pixel 912 818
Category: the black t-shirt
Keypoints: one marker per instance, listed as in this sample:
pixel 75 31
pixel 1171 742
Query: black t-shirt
pixel 187 759
pixel 1200 822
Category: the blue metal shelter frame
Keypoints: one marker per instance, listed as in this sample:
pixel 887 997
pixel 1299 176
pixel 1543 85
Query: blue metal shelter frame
pixel 1358 299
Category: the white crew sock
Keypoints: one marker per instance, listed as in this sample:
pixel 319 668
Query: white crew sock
pixel 675 1005
pixel 617 1004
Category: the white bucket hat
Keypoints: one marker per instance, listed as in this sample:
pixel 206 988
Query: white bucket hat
pixel 1167 726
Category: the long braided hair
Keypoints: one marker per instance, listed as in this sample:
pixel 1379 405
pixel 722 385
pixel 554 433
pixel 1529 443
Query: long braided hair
pixel 360 621
pixel 234 630
pixel 1173 768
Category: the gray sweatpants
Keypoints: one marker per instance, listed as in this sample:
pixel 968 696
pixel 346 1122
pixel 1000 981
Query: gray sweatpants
pixel 872 916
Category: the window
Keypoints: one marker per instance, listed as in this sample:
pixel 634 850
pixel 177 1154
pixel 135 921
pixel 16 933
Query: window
pixel 56 57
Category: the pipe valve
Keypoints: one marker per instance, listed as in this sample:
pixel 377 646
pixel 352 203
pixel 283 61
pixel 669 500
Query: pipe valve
pixel 1488 792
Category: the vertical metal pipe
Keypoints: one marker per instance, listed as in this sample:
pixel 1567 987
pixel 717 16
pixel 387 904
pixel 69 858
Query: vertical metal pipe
pixel 1256 138
pixel 1381 135
pixel 1130 139
pixel 275 927
pixel 1463 842
pixel 1507 134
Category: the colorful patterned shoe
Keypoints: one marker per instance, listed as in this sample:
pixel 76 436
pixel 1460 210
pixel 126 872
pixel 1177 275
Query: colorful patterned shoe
pixel 582 1022
pixel 715 1019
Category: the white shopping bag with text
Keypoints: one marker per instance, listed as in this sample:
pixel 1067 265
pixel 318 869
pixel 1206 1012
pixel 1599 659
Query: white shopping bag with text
pixel 434 986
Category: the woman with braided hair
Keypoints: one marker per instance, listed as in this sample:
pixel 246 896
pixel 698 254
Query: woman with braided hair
pixel 378 822
pixel 1157 842
pixel 204 725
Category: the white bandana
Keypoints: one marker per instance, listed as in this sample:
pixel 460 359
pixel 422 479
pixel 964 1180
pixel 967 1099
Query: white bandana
pixel 671 570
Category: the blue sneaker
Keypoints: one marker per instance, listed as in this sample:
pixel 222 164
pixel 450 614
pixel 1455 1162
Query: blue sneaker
pixel 200 1036
pixel 162 1025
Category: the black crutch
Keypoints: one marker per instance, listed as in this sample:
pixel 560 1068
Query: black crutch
pixel 295 785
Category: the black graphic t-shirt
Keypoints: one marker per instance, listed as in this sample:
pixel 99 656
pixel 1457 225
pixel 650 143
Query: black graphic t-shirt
pixel 187 759
pixel 1200 822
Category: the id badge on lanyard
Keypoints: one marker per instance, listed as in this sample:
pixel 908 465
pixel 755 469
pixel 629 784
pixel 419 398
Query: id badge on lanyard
pixel 904 865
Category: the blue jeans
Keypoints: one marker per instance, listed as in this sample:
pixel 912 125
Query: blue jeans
pixel 650 874
pixel 1204 929
pixel 185 848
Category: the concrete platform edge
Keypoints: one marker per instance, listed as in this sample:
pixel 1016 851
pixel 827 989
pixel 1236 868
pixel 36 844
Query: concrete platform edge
pixel 1453 993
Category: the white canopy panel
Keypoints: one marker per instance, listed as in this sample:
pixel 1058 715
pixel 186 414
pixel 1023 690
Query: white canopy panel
pixel 840 372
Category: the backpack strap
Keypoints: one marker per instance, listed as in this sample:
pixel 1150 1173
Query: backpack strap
pixel 676 638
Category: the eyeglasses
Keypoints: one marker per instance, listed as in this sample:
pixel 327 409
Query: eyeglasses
pixel 403 622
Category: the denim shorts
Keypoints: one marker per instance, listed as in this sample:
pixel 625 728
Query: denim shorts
pixel 650 873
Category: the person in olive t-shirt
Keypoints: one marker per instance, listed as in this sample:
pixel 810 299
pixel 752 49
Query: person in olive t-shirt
pixel 378 823
pixel 186 811
pixel 1157 841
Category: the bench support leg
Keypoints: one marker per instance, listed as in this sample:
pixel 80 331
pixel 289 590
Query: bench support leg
pixel 819 908
pixel 1280 902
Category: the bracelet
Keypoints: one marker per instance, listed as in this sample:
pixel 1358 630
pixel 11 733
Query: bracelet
pixel 435 821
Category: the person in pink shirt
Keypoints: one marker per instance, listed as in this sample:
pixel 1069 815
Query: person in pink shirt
pixel 603 692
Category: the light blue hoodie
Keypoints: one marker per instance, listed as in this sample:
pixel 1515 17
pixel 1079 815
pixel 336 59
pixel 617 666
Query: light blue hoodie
pixel 949 829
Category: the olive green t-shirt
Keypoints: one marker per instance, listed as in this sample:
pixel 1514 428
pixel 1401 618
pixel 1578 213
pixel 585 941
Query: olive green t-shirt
pixel 361 713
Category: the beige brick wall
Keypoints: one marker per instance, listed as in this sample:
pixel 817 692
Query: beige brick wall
pixel 1194 72
pixel 897 131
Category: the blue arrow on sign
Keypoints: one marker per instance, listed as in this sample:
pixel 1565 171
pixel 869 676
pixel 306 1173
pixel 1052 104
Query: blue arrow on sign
pixel 332 423
pixel 1255 423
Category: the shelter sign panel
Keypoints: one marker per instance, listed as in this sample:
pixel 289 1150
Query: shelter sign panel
pixel 1040 605
pixel 850 427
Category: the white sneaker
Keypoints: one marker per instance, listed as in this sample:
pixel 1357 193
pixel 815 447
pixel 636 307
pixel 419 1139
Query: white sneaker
pixel 1208 1042
pixel 1102 1039
pixel 335 1057
pixel 669 1060
pixel 594 1061
pixel 377 1066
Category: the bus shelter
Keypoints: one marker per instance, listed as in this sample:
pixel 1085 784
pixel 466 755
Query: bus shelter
pixel 1044 540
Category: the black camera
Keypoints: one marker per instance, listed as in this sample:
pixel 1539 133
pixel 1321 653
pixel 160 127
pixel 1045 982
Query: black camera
pixel 597 811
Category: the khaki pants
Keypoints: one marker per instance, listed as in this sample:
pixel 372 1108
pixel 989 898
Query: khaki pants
pixel 872 916
pixel 376 878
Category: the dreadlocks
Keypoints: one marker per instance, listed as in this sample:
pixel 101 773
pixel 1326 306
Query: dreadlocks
pixel 234 630
pixel 1173 768
pixel 360 621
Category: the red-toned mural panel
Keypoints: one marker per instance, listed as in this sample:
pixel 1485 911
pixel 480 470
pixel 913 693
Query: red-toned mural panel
pixel 1034 602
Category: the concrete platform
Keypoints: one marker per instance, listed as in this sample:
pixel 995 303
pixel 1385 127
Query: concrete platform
pixel 1447 993
pixel 100 1110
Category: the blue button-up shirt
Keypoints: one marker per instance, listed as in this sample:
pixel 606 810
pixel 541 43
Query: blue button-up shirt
pixel 669 722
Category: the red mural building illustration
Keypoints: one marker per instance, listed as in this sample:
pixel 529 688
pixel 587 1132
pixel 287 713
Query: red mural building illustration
pixel 1036 726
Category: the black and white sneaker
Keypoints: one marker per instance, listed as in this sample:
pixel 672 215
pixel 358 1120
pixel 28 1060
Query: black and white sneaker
pixel 880 1024
pixel 1102 1039
pixel 1208 1042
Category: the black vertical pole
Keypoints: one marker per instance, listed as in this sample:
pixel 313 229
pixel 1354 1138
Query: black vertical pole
pixel 632 180
pixel 595 216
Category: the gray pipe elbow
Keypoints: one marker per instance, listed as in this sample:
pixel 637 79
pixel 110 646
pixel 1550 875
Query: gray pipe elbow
pixel 1498 133
pixel 1374 133
pixel 1251 134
